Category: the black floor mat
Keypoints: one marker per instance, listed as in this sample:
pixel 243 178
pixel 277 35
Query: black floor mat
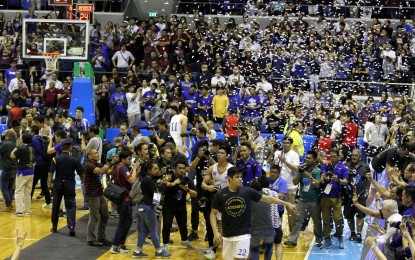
pixel 61 246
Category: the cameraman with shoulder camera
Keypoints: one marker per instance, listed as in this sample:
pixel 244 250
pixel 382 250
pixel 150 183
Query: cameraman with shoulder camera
pixel 175 204
pixel 333 176
pixel 309 199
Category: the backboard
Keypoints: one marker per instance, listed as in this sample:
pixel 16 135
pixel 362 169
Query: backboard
pixel 68 37
pixel 60 2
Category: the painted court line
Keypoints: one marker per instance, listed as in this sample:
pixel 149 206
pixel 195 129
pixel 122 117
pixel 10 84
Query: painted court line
pixel 310 248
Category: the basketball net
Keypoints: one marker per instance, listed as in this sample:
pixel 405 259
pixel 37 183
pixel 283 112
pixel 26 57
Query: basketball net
pixel 51 60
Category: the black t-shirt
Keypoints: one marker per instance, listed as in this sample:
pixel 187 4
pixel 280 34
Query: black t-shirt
pixel 176 197
pixel 357 177
pixel 165 135
pixel 25 157
pixel 148 187
pixel 236 209
pixel 389 156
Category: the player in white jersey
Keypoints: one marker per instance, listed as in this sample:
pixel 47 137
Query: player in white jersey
pixel 178 126
pixel 216 178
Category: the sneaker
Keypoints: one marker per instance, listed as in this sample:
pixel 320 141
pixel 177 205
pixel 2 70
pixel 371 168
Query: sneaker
pixel 210 254
pixel 18 214
pixel 359 238
pixel 319 244
pixel 326 245
pixel 105 242
pixel 115 250
pixel 146 243
pixel 54 229
pixel 139 255
pixel 124 249
pixel 72 232
pixel 341 243
pixel 28 213
pixel 187 244
pixel 352 236
pixel 39 197
pixel 84 208
pixel 193 236
pixel 62 213
pixel 94 243
pixel 165 248
pixel 47 206
pixel 163 254
pixel 290 244
pixel 9 208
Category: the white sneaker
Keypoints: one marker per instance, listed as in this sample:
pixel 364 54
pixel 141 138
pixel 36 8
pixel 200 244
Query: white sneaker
pixel 210 254
pixel 47 206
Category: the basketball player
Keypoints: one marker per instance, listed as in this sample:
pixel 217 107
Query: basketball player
pixel 216 178
pixel 178 126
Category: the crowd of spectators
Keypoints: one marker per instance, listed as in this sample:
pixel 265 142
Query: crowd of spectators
pixel 291 78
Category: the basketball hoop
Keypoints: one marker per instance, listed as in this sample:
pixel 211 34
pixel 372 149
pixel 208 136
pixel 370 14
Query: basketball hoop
pixel 51 59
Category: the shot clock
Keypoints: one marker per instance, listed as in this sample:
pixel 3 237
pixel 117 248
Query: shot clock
pixel 85 12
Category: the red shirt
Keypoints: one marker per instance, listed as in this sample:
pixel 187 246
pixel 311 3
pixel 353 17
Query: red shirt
pixel 230 122
pixel 350 136
pixel 16 113
pixel 65 102
pixel 51 97
pixel 324 144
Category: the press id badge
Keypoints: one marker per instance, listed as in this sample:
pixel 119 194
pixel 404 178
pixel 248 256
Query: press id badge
pixel 327 190
pixel 156 198
pixel 306 188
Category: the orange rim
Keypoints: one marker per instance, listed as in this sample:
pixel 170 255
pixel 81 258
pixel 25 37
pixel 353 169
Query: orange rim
pixel 52 54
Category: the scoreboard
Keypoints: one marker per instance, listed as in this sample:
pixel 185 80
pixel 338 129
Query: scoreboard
pixel 85 12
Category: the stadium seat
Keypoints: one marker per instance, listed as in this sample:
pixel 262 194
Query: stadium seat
pixel 4 120
pixel 28 102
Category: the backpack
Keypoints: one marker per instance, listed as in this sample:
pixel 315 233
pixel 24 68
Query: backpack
pixel 136 192
pixel 106 146
pixel 44 142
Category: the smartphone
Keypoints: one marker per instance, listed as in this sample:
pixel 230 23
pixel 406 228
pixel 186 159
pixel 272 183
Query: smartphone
pixel 406 218
pixel 354 190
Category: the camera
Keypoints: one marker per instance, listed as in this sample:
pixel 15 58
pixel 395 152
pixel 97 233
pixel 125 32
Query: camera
pixel 184 180
pixel 239 127
pixel 187 134
pixel 207 153
pixel 301 170
pixel 277 146
pixel 151 127
pixel 202 202
pixel 328 177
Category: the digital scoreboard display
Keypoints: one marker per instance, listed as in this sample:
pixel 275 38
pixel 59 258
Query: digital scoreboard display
pixel 85 12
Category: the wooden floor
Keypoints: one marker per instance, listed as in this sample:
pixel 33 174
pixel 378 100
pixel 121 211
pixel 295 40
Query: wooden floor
pixel 38 226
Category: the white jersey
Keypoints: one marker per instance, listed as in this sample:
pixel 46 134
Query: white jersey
pixel 220 180
pixel 176 129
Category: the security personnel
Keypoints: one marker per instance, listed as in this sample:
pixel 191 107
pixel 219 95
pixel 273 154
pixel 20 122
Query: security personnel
pixel 64 185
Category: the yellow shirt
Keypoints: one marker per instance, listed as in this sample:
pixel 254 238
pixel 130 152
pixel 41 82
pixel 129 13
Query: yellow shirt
pixel 297 142
pixel 220 104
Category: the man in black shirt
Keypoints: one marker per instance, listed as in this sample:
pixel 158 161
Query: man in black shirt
pixel 8 167
pixel 176 155
pixel 64 185
pixel 234 202
pixel 175 204
pixel 384 162
pixel 358 183
pixel 162 136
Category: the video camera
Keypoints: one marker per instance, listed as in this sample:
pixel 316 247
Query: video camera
pixel 184 180
pixel 328 177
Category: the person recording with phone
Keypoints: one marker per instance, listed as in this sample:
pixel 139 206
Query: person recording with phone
pixel 359 185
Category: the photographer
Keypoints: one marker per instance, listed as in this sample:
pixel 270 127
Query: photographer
pixel 175 204
pixel 200 136
pixel 162 136
pixel 333 176
pixel 57 139
pixel 124 134
pixel 309 199
pixel 200 163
